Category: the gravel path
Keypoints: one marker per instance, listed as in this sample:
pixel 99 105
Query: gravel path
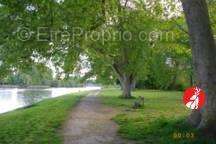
pixel 90 123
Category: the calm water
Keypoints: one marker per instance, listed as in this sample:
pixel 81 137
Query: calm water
pixel 13 98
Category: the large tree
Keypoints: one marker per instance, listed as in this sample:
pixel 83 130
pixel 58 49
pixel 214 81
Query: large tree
pixel 124 44
pixel 204 59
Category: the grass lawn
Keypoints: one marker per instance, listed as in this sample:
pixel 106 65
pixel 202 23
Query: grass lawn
pixel 160 121
pixel 38 124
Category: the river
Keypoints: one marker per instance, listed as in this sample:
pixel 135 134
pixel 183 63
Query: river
pixel 14 98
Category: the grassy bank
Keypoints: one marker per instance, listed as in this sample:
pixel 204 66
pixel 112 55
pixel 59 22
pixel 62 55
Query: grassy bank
pixel 161 120
pixel 38 124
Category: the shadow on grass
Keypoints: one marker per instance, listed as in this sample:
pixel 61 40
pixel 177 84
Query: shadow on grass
pixel 161 131
pixel 126 98
pixel 160 121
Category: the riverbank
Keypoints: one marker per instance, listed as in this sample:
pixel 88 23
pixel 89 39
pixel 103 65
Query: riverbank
pixel 29 87
pixel 13 98
pixel 161 120
pixel 38 124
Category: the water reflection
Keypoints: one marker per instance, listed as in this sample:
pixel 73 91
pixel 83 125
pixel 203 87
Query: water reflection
pixel 30 96
pixel 14 98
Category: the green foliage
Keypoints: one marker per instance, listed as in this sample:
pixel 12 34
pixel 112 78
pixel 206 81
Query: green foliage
pixel 169 68
pixel 46 17
pixel 170 61
pixel 162 116
pixel 38 124
pixel 110 20
pixel 69 82
pixel 35 75
pixel 120 44
pixel 212 11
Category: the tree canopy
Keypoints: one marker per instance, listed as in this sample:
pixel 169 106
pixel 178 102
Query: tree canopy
pixel 143 42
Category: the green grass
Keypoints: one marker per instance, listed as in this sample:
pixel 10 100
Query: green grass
pixel 39 124
pixel 160 121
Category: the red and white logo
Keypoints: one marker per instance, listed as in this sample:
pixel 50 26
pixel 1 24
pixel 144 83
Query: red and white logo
pixel 194 98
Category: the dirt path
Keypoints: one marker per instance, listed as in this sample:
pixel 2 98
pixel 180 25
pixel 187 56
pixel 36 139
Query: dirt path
pixel 90 123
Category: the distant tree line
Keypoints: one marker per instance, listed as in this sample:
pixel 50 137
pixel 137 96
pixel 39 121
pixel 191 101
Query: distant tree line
pixel 39 75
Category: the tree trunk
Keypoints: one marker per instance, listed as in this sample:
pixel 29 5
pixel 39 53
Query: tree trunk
pixel 126 81
pixel 191 80
pixel 204 59
pixel 127 87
